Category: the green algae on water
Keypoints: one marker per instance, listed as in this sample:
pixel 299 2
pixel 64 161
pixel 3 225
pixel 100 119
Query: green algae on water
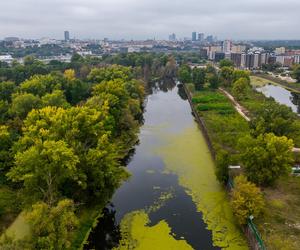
pixel 136 234
pixel 187 156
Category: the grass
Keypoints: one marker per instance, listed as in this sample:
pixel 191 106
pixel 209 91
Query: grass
pixel 19 228
pixel 224 125
pixel 280 225
pixel 88 218
pixel 260 82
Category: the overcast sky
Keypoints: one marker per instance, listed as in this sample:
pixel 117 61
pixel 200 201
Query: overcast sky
pixel 141 19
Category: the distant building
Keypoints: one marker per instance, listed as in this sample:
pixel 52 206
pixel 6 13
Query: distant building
pixel 172 37
pixel 210 39
pixel 227 44
pixel 236 58
pixel 194 36
pixel 219 56
pixel 11 39
pixel 6 58
pixel 238 48
pixel 67 35
pixel 279 51
pixel 201 37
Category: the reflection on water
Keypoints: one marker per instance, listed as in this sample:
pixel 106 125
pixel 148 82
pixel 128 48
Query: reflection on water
pixel 159 191
pixel 282 96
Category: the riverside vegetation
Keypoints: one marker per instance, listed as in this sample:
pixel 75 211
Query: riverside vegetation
pixel 65 130
pixel 264 187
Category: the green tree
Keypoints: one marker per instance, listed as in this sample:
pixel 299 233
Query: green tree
pixel 213 80
pixel 44 167
pixel 98 75
pixel 227 75
pixel 266 158
pixel 56 98
pixel 184 74
pixel 6 155
pixel 39 85
pixel 246 200
pixel 6 90
pixel 52 226
pixel 198 76
pixel 241 88
pixel 237 74
pixel 296 72
pixel 275 118
pixel 22 104
pixel 226 63
pixel 223 161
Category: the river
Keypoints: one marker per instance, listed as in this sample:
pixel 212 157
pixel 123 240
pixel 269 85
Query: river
pixel 172 199
pixel 282 96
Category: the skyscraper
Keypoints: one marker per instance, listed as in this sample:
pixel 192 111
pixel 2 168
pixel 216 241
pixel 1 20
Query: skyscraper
pixel 172 37
pixel 67 35
pixel 194 36
pixel 201 37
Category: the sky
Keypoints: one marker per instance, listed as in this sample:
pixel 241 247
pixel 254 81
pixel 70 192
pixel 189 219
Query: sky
pixel 143 19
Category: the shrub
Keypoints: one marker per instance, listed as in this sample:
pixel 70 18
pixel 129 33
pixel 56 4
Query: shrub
pixel 246 199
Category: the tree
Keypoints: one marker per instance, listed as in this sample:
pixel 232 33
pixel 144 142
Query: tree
pixel 222 164
pixel 39 85
pixel 213 80
pixel 6 90
pixel 237 74
pixel 43 167
pixel 266 158
pixel 56 98
pixel 296 72
pixel 70 74
pixel 198 76
pixel 52 226
pixel 6 155
pixel 246 199
pixel 22 104
pixel 241 88
pixel 227 75
pixel 184 74
pixel 275 118
pixel 226 63
pixel 98 75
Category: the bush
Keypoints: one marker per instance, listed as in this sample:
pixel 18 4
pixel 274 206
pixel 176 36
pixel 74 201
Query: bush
pixel 222 163
pixel 246 199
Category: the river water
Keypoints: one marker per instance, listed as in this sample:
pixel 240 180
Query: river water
pixel 172 199
pixel 282 96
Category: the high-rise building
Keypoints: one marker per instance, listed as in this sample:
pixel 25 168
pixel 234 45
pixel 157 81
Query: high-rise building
pixel 67 35
pixel 227 44
pixel 201 37
pixel 172 37
pixel 210 39
pixel 194 36
pixel 236 58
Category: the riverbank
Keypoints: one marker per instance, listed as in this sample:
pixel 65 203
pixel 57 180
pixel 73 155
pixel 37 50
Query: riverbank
pixel 264 79
pixel 279 226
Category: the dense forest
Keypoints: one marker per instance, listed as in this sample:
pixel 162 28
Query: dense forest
pixel 65 129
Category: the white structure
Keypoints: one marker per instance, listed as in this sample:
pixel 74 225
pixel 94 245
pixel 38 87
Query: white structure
pixel 227 44
pixel 6 58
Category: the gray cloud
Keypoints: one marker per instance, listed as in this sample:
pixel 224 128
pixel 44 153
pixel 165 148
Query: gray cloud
pixel 140 19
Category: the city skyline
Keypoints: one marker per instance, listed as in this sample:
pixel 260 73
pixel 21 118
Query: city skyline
pixel 132 19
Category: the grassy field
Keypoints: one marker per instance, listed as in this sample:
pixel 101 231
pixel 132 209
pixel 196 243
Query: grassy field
pixel 218 112
pixel 280 225
pixel 259 81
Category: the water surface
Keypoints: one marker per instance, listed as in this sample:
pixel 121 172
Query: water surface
pixel 282 96
pixel 172 200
